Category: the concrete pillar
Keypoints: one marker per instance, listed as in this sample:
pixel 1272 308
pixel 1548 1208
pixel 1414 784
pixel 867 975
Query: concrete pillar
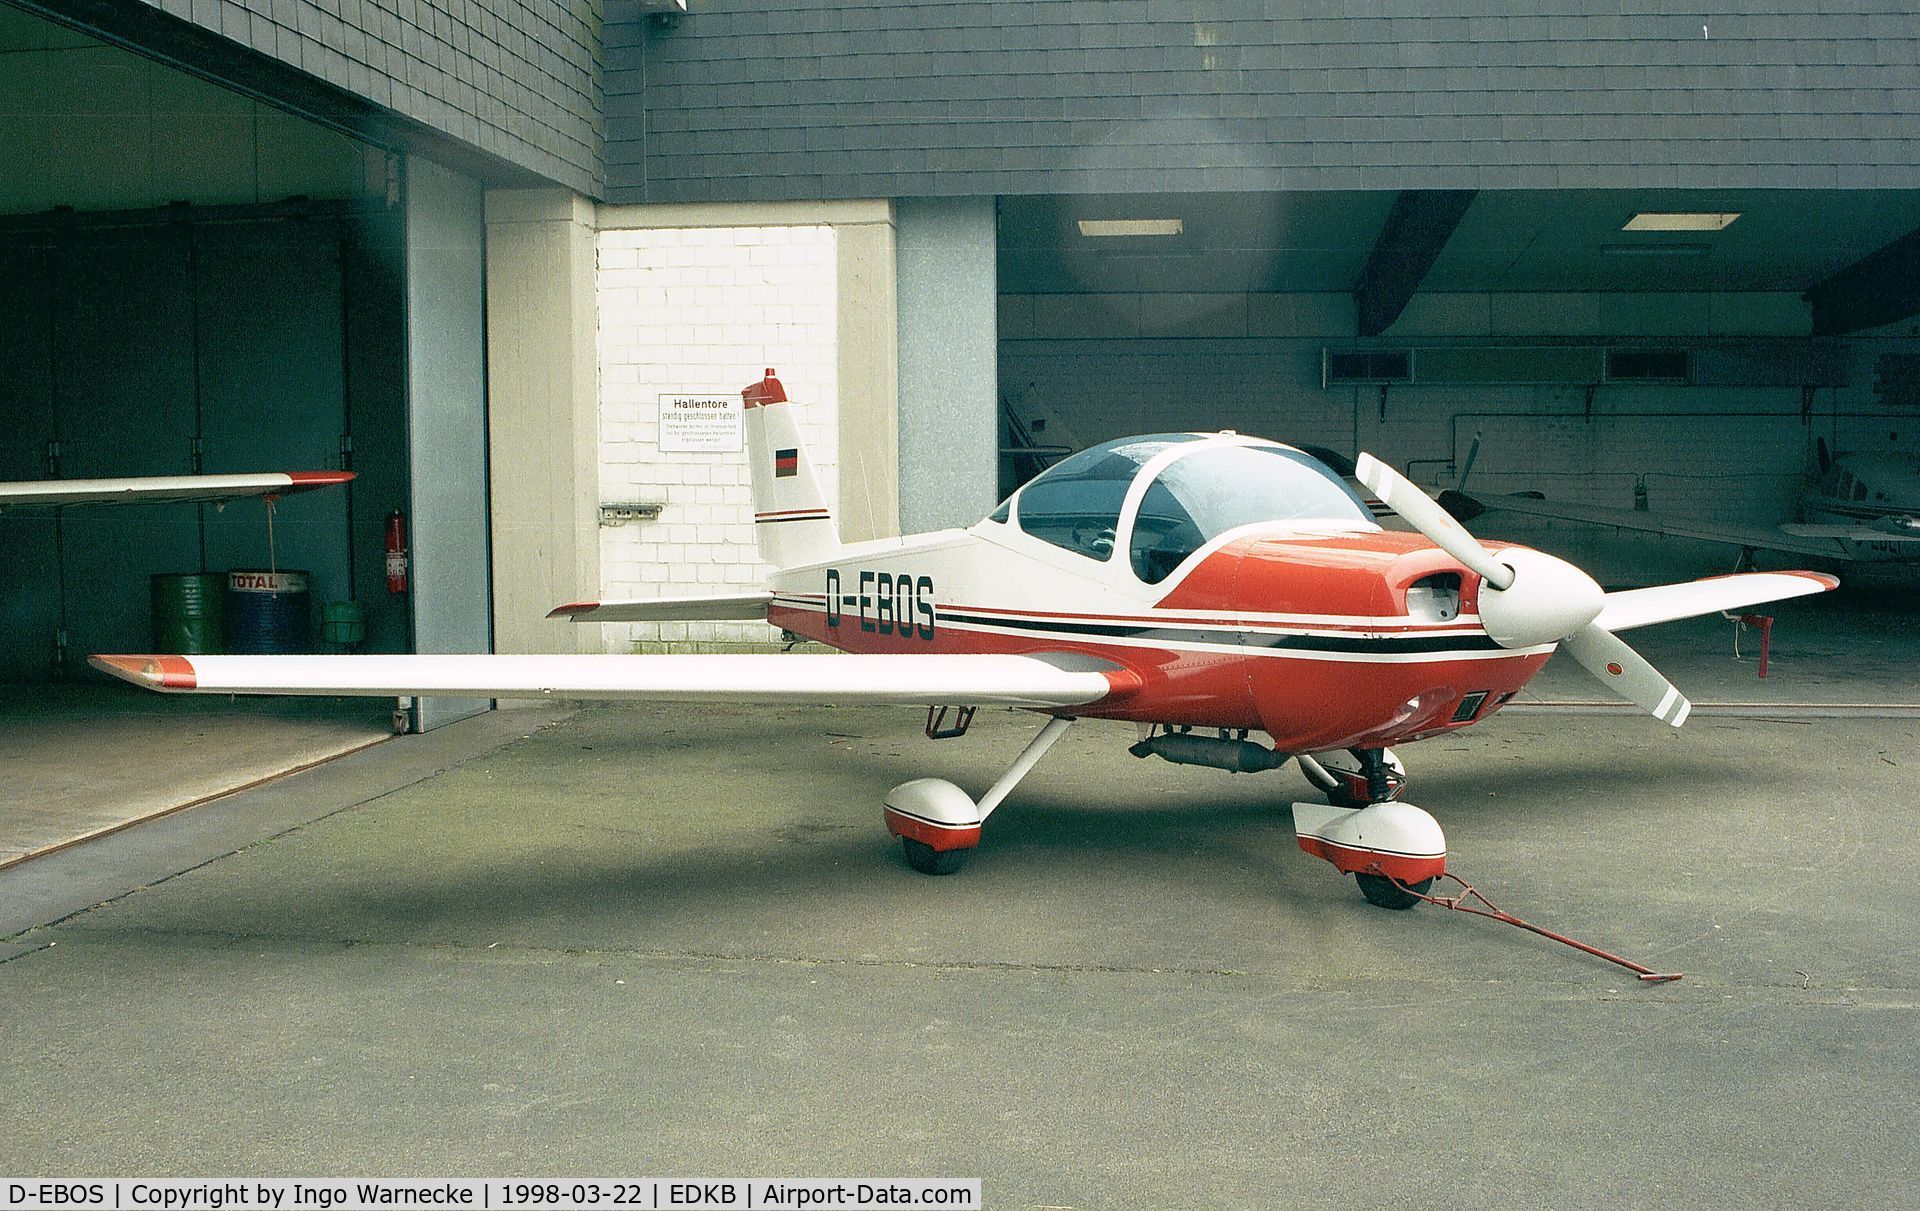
pixel 543 416
pixel 949 381
pixel 869 375
pixel 447 421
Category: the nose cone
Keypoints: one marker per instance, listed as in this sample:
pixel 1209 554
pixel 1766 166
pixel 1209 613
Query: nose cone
pixel 1548 600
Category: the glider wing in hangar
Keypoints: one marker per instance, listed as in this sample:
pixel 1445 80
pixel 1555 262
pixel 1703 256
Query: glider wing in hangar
pixel 162 489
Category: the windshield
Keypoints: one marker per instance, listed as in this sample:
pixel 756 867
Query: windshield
pixel 1201 496
pixel 1076 504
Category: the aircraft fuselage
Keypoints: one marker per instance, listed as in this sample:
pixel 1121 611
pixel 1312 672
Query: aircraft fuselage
pixel 1310 637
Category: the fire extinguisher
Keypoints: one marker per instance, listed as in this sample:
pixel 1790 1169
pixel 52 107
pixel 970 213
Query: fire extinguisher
pixel 396 553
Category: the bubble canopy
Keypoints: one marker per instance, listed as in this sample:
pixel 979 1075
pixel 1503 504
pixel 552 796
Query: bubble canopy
pixel 1167 495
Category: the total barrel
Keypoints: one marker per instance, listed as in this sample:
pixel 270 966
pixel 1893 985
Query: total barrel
pixel 268 613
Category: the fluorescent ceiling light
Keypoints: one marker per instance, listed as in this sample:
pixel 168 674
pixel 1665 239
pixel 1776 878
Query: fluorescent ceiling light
pixel 1687 220
pixel 1112 227
pixel 1653 250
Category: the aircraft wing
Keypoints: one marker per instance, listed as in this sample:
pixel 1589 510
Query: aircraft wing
pixel 1765 538
pixel 1891 529
pixel 1631 608
pixel 149 489
pixel 900 679
pixel 668 609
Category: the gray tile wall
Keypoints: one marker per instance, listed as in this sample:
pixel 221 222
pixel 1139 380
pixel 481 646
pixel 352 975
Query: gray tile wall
pixel 518 79
pixel 856 98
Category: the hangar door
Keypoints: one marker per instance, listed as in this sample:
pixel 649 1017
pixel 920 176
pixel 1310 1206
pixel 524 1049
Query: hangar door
pixel 184 340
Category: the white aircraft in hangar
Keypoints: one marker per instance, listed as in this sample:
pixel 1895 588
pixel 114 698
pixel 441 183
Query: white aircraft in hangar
pixel 1206 586
pixel 1860 508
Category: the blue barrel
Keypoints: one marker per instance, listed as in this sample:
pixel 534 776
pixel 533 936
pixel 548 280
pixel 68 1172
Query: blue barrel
pixel 268 613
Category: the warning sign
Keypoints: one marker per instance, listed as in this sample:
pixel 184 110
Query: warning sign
pixel 699 423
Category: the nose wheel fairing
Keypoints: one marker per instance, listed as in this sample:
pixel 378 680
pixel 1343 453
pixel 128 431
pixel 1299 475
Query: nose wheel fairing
pixel 1393 840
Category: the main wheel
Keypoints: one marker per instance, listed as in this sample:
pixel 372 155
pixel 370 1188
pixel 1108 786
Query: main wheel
pixel 930 861
pixel 1384 892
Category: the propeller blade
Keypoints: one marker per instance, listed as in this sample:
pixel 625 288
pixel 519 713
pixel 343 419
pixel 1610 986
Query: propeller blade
pixel 1420 511
pixel 1627 673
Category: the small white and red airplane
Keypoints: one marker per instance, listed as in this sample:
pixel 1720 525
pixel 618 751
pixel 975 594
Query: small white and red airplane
pixel 1206 586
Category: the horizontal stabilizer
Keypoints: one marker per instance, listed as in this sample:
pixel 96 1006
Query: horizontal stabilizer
pixel 668 609
pixel 903 679
pixel 1663 603
pixel 163 489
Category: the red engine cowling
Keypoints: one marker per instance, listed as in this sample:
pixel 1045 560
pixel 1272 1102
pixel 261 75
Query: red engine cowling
pixel 1378 641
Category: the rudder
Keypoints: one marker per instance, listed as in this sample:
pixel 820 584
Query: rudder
pixel 792 521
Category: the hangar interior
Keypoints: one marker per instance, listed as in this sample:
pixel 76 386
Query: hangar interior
pixel 1671 371
pixel 195 281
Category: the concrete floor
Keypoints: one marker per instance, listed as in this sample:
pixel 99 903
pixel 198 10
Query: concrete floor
pixel 678 941
pixel 79 760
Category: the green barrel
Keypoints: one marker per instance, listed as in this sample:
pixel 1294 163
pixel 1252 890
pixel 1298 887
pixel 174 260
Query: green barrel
pixel 343 623
pixel 189 614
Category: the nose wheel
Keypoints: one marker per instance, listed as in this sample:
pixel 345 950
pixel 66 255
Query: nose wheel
pixel 1385 893
pixel 930 861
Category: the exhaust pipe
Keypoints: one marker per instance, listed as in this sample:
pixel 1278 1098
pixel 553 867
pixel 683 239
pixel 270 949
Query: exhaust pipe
pixel 1185 748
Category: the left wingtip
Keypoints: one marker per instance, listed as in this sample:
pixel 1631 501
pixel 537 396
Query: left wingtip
pixel 573 609
pixel 149 672
pixel 1826 580
pixel 302 480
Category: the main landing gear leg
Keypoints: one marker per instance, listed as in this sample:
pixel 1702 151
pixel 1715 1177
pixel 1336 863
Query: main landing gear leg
pixel 937 822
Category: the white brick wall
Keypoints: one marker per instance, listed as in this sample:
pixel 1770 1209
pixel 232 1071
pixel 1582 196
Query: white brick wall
pixel 704 311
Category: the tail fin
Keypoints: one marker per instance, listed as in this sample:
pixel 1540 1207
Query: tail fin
pixel 791 518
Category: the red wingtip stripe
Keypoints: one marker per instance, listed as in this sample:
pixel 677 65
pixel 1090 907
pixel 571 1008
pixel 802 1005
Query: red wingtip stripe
pixel 1831 582
pixel 155 672
pixel 571 608
pixel 318 479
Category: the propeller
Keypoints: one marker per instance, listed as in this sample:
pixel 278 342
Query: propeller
pixel 1529 598
pixel 1627 673
pixel 1424 514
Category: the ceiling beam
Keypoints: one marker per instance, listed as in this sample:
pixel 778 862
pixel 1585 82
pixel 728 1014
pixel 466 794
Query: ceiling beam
pixel 1417 229
pixel 1879 288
